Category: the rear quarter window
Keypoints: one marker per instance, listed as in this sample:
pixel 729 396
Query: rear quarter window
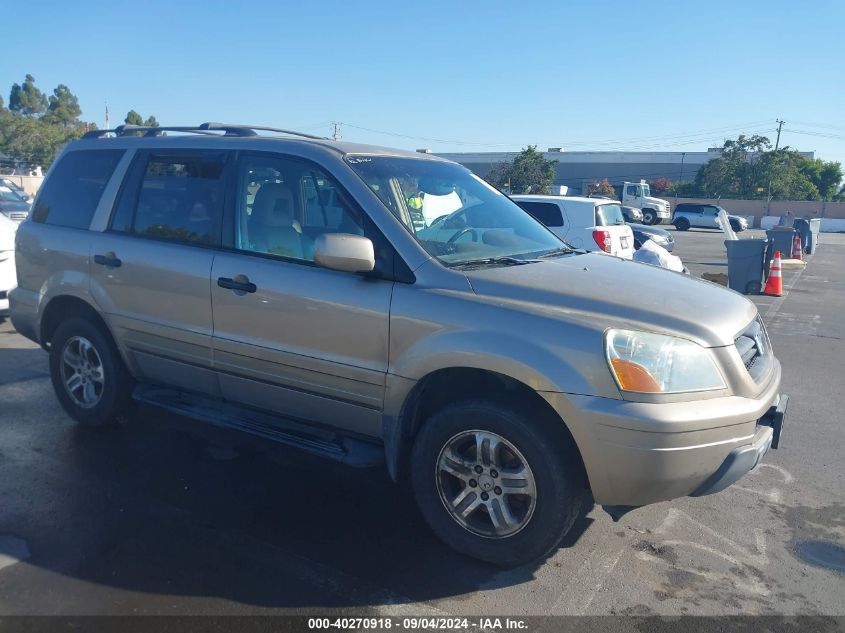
pixel 609 215
pixel 71 194
pixel 546 212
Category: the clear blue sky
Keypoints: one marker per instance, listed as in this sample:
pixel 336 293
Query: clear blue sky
pixel 477 75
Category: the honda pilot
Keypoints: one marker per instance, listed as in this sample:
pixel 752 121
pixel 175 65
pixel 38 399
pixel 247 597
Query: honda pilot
pixel 373 306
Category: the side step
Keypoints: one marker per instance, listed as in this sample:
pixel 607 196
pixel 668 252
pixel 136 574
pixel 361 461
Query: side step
pixel 315 440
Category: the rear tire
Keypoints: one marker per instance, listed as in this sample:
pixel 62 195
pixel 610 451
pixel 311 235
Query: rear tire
pixel 88 374
pixel 682 224
pixel 649 216
pixel 510 520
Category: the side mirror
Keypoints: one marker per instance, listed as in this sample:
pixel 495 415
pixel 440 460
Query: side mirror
pixel 344 252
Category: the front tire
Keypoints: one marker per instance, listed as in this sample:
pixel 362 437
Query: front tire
pixel 649 216
pixel 497 484
pixel 88 375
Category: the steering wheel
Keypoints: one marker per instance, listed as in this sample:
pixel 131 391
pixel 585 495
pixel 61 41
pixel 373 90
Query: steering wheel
pixel 461 233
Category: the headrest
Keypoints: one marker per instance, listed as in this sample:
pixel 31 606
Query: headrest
pixel 273 205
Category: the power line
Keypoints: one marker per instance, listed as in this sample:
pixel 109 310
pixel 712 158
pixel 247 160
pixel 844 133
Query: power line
pixel 821 125
pixel 687 137
pixel 817 134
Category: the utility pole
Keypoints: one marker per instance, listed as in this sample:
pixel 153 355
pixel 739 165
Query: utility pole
pixel 780 126
pixel 336 131
pixel 777 144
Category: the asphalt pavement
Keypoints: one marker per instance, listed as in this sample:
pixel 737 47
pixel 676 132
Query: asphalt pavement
pixel 164 515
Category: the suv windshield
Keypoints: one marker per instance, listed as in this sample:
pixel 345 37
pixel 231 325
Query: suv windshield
pixel 456 216
pixel 609 214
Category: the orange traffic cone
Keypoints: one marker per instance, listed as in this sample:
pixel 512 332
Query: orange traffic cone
pixel 797 248
pixel 774 283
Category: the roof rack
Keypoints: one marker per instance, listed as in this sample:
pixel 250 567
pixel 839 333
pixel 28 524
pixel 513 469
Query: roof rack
pixel 203 128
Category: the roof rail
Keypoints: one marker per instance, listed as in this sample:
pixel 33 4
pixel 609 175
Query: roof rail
pixel 202 128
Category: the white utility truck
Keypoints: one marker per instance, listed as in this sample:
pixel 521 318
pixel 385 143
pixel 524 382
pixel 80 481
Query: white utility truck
pixel 638 195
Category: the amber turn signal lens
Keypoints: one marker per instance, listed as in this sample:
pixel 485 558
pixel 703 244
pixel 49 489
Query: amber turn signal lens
pixel 634 377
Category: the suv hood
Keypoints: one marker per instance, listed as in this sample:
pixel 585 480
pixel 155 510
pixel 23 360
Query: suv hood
pixel 613 292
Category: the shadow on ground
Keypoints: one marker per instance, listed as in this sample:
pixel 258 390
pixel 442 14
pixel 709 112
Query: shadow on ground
pixel 165 505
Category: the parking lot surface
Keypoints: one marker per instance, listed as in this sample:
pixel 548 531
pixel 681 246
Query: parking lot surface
pixel 166 516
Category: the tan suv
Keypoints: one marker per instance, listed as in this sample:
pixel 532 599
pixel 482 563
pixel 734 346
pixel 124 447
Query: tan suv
pixel 369 304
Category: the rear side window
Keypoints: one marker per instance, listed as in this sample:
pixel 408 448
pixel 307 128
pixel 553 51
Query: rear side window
pixel 546 212
pixel 609 215
pixel 72 192
pixel 174 197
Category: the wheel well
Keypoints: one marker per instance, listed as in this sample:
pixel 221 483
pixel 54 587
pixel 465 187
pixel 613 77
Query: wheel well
pixel 65 307
pixel 446 386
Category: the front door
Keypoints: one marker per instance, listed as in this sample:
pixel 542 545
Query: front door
pixel 150 270
pixel 291 337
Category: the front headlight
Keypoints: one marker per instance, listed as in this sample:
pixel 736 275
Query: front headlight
pixel 654 363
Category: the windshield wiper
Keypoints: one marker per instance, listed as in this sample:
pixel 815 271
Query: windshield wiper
pixel 564 250
pixel 493 261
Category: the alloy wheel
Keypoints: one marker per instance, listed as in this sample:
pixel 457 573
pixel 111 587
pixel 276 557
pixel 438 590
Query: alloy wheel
pixel 82 372
pixel 486 484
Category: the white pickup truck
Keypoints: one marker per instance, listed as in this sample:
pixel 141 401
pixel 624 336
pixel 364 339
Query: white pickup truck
pixel 638 195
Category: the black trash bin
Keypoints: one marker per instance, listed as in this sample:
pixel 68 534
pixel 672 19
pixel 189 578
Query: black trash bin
pixel 781 238
pixel 745 265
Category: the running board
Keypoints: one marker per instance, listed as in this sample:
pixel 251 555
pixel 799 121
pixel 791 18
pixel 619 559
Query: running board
pixel 314 440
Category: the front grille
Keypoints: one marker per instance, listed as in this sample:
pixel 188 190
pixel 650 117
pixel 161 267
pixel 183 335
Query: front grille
pixel 753 346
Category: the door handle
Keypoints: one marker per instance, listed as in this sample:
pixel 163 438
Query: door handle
pixel 238 285
pixel 109 259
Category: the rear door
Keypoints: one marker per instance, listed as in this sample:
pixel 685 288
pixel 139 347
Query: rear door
pixel 290 337
pixel 609 218
pixel 151 268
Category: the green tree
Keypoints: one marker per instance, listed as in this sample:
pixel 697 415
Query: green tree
pixel 133 118
pixel 63 108
pixel 151 122
pixel 36 128
pixel 528 172
pixel 748 168
pixel 27 99
pixel 829 177
pixel 734 173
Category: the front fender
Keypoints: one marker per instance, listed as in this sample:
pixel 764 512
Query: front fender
pixel 539 366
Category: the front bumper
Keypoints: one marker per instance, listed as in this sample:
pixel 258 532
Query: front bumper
pixel 744 459
pixel 639 453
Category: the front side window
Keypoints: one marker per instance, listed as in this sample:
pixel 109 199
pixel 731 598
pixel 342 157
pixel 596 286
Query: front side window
pixel 72 192
pixel 632 190
pixel 457 217
pixel 284 204
pixel 179 198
